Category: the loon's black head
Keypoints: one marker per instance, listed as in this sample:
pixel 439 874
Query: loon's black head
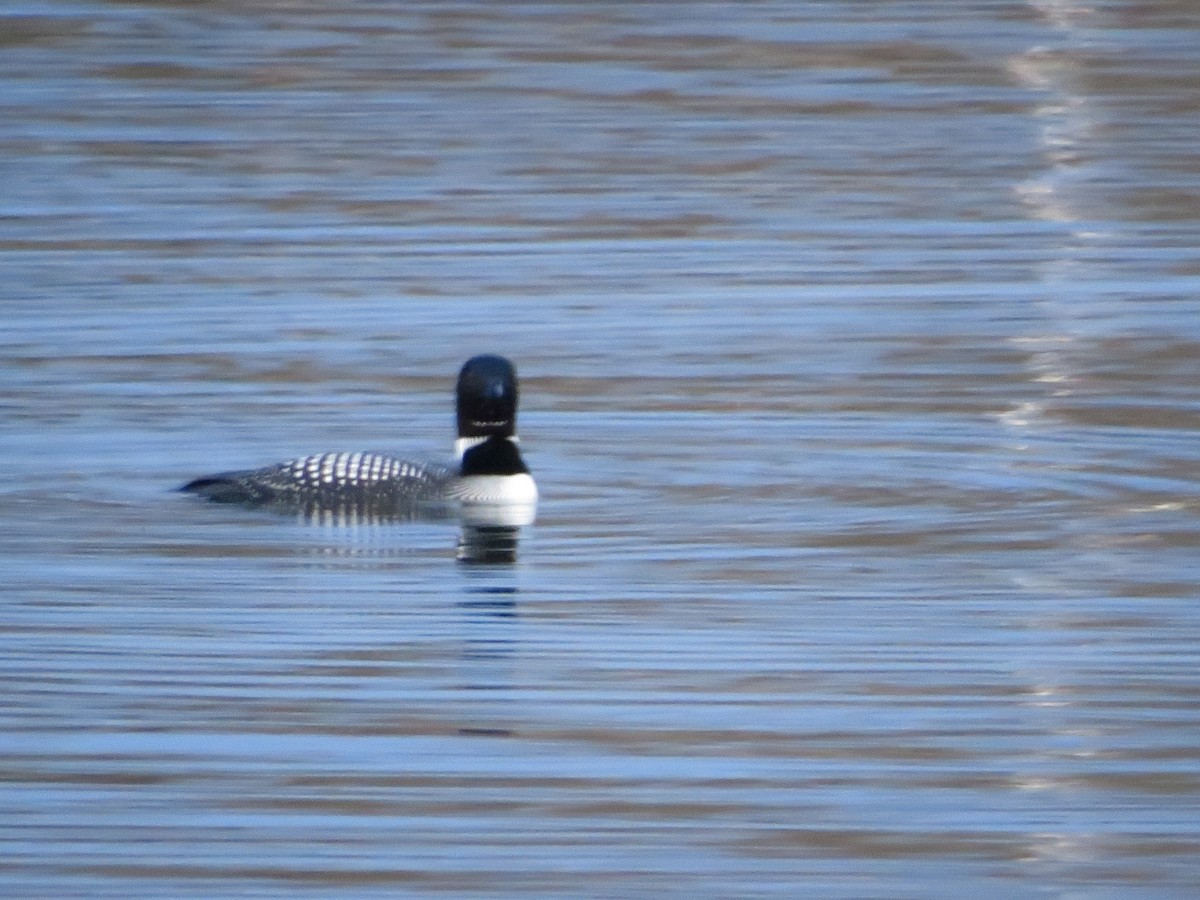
pixel 487 397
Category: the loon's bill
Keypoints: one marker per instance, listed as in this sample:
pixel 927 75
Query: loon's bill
pixel 489 470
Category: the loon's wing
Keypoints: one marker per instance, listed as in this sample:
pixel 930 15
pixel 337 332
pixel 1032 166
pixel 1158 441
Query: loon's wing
pixel 368 480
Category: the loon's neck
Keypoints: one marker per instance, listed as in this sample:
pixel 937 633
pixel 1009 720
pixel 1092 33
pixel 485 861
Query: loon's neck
pixel 496 456
pixel 463 444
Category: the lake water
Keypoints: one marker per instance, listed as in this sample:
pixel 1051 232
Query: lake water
pixel 860 350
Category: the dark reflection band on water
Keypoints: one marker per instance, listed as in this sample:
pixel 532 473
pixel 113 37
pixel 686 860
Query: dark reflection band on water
pixel 488 543
pixel 491 532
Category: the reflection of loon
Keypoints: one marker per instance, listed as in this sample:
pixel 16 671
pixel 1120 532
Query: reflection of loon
pixel 491 478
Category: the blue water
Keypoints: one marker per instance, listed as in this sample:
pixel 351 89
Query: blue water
pixel 859 351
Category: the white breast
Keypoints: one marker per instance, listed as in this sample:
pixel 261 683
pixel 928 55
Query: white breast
pixel 501 489
pixel 490 500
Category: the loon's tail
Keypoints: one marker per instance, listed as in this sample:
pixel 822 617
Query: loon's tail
pixel 227 488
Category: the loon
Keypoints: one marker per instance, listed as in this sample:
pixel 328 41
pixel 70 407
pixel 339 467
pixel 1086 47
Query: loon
pixel 489 469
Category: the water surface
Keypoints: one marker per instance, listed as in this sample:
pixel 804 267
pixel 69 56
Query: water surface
pixel 859 346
